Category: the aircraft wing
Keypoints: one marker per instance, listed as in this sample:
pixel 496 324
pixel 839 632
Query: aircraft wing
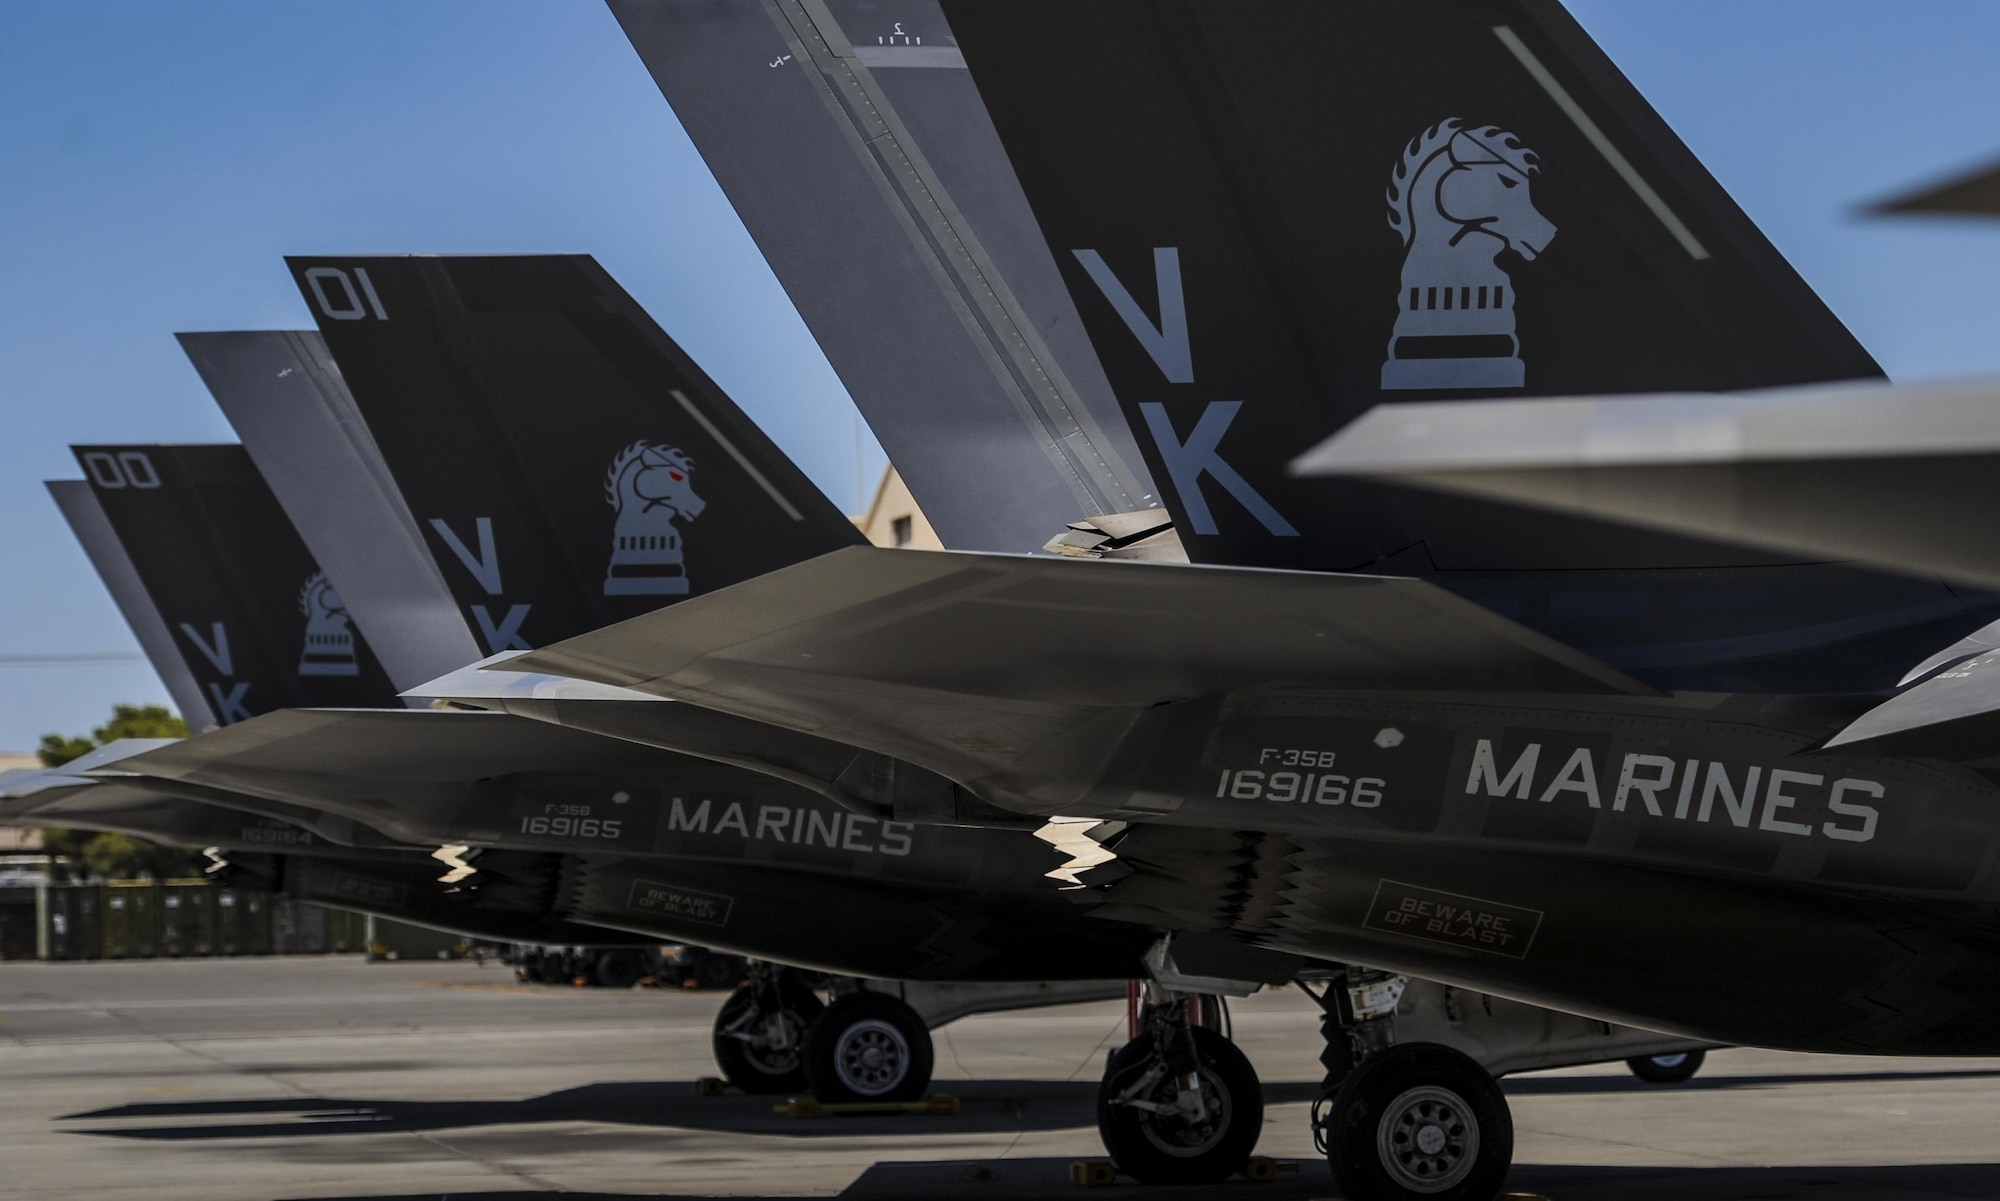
pixel 1882 473
pixel 312 753
pixel 972 664
pixel 1971 194
pixel 419 775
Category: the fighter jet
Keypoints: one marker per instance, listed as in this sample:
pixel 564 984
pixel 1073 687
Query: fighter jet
pixel 393 769
pixel 1561 758
pixel 239 620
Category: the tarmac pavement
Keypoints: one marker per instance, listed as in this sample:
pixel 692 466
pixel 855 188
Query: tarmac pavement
pixel 261 1079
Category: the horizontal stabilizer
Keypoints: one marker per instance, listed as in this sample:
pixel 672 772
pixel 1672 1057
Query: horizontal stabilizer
pixel 973 664
pixel 1880 473
pixel 1953 714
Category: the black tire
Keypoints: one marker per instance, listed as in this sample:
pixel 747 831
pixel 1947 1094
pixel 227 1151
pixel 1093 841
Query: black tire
pixel 1158 1149
pixel 716 970
pixel 868 1046
pixel 752 1068
pixel 617 969
pixel 1420 1122
pixel 1667 1069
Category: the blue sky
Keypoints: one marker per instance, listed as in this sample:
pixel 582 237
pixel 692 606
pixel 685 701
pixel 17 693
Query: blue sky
pixel 157 161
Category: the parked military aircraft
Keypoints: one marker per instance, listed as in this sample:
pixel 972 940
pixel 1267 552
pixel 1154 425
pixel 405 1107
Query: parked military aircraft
pixel 1562 758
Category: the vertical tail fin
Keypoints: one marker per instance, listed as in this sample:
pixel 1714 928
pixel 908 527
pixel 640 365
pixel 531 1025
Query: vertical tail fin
pixel 1274 216
pixel 862 163
pixel 285 397
pixel 156 638
pixel 254 619
pixel 567 463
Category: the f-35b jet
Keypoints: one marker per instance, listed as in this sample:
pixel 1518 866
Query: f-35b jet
pixel 1690 753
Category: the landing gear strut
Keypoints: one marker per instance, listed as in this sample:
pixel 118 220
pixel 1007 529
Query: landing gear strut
pixel 760 1032
pixel 1179 1103
pixel 1411 1122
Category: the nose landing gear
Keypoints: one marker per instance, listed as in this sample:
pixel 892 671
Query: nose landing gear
pixel 760 1032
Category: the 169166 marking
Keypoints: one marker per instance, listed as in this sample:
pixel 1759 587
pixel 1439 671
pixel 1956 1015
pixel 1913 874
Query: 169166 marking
pixel 1318 788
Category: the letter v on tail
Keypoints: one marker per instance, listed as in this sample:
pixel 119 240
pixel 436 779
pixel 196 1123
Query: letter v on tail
pixel 1171 350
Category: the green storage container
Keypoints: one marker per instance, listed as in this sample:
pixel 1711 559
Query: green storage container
pixel 69 921
pixel 187 918
pixel 242 922
pixel 297 928
pixel 131 919
pixel 256 910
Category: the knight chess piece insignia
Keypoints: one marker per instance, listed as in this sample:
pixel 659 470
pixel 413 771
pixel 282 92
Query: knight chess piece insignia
pixel 650 486
pixel 1459 197
pixel 329 645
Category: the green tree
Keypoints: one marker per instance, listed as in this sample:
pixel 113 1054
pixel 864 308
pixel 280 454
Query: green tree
pixel 113 856
pixel 127 721
pixel 58 749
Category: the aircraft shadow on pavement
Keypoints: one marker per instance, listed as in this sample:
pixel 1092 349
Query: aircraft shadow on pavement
pixel 1026 1179
pixel 1037 1178
pixel 1567 1183
pixel 1565 1085
pixel 985 1106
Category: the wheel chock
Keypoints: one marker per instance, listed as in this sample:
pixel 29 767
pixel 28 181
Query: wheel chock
pixel 1093 1173
pixel 938 1104
pixel 1262 1169
pixel 708 1086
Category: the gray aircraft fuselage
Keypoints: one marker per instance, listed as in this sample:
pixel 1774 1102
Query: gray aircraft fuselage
pixel 1691 864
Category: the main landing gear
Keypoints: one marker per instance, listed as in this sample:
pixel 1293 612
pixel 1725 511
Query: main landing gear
pixel 1414 1121
pixel 868 1046
pixel 1667 1069
pixel 773 1035
pixel 1179 1103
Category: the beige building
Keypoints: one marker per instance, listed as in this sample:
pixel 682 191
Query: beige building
pixel 893 518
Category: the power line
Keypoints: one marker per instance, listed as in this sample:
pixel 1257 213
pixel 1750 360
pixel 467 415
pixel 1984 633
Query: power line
pixel 72 659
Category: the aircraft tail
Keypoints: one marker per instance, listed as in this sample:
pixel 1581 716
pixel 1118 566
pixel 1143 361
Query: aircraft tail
pixel 253 620
pixel 1442 201
pixel 156 638
pixel 860 159
pixel 567 464
pixel 282 393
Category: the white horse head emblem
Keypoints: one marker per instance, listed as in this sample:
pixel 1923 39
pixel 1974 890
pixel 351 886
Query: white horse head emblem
pixel 650 485
pixel 1459 197
pixel 329 647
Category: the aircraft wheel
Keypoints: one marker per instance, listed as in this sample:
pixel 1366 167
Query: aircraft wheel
pixel 759 1051
pixel 868 1046
pixel 1667 1069
pixel 1152 1127
pixel 617 969
pixel 1419 1122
